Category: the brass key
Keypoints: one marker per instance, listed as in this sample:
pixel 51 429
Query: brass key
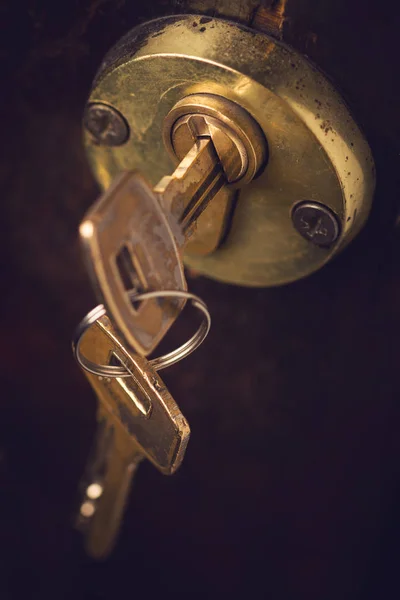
pixel 129 245
pixel 137 234
pixel 138 419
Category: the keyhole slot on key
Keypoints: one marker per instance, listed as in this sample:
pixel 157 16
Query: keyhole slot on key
pixel 129 273
pixel 133 390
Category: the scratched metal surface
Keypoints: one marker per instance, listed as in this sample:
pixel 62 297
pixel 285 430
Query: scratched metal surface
pixel 290 487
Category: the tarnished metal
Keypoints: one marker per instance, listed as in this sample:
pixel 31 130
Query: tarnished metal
pixel 105 124
pixel 316 151
pixel 316 223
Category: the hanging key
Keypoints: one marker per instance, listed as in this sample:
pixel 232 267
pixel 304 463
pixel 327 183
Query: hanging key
pixel 219 145
pixel 138 419
pixel 133 236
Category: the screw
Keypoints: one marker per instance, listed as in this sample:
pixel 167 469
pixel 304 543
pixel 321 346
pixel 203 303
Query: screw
pixel 106 124
pixel 316 222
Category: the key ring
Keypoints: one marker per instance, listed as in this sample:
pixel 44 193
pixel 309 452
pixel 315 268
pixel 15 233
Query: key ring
pixel 158 363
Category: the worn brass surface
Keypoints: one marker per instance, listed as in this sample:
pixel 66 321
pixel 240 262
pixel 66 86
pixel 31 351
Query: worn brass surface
pixel 316 151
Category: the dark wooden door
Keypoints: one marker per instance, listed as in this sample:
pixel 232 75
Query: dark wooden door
pixel 290 488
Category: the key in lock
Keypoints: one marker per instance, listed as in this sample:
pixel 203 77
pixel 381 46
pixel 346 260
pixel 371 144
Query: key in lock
pixel 133 235
pixel 319 169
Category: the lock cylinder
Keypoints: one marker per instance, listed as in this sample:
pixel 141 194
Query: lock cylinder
pixel 238 139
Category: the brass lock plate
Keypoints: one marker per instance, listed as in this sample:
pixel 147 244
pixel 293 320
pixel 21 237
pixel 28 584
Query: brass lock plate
pixel 315 192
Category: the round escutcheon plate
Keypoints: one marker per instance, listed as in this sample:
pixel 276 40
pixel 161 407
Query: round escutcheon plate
pixel 317 154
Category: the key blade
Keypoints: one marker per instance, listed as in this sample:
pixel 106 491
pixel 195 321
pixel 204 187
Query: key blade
pixel 106 485
pixel 128 244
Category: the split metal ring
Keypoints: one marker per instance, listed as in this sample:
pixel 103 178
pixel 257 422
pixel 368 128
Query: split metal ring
pixel 157 363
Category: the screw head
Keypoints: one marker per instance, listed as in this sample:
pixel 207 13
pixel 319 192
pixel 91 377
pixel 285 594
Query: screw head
pixel 106 124
pixel 316 223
